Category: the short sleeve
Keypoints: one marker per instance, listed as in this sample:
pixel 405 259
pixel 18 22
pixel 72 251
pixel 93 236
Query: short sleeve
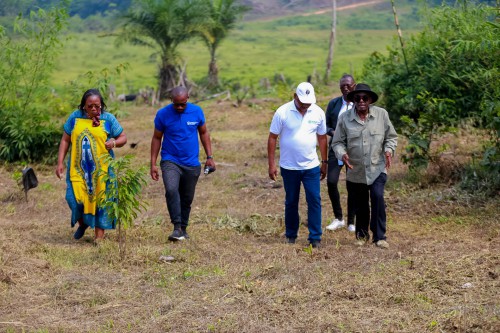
pixel 70 123
pixel 158 122
pixel 322 125
pixel 276 124
pixel 115 128
pixel 202 118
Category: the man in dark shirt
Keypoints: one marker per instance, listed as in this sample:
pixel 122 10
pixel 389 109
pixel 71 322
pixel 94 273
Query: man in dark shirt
pixel 335 108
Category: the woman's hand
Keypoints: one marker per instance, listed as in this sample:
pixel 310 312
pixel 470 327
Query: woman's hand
pixel 110 144
pixel 59 171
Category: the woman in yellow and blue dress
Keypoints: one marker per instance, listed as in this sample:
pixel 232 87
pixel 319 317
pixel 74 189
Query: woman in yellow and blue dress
pixel 89 133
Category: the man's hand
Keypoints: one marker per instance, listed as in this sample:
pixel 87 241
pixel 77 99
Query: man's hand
pixel 388 159
pixel 273 173
pixel 322 170
pixel 345 159
pixel 155 175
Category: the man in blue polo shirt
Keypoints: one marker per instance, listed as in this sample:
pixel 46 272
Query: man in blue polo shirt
pixel 301 125
pixel 178 125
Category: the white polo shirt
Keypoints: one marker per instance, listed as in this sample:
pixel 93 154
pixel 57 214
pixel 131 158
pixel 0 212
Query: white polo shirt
pixel 298 135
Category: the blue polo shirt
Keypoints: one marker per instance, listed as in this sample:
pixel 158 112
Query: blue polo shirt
pixel 180 134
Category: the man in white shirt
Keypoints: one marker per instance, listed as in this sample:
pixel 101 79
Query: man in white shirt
pixel 301 126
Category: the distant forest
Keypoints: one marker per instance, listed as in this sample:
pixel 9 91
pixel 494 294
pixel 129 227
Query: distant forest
pixel 96 10
pixel 82 8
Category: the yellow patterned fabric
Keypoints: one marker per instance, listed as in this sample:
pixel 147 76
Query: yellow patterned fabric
pixel 87 168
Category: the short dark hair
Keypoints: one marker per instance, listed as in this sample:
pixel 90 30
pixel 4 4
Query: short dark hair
pixel 179 91
pixel 87 94
pixel 346 76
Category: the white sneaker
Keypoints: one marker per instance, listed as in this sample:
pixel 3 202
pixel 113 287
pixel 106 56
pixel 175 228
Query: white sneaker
pixel 336 224
pixel 351 228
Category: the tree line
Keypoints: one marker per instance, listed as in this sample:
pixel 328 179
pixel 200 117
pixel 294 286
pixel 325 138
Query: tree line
pixel 82 8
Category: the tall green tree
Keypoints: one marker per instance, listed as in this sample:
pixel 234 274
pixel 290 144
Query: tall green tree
pixel 163 25
pixel 222 18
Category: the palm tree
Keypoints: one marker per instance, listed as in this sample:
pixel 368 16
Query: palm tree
pixel 162 25
pixel 222 17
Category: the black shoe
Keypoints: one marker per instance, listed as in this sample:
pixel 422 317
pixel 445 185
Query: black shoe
pixel 290 240
pixel 80 231
pixel 177 235
pixel 184 233
pixel 315 243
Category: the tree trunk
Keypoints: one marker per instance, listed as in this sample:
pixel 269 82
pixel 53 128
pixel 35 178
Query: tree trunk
pixel 329 60
pixel 213 71
pixel 121 241
pixel 400 35
pixel 169 76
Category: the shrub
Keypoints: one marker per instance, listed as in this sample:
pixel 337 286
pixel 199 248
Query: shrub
pixel 448 73
pixel 27 132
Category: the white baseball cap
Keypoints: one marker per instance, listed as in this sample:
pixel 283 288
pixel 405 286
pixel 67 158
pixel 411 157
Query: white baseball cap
pixel 305 93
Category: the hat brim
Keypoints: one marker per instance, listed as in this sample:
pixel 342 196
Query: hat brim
pixel 307 99
pixel 373 96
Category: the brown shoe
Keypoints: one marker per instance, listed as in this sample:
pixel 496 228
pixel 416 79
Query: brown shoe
pixel 382 244
pixel 360 242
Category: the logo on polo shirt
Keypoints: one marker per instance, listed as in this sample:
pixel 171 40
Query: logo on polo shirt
pixel 192 123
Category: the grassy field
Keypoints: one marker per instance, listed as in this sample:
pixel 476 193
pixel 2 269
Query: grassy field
pixel 295 46
pixel 236 274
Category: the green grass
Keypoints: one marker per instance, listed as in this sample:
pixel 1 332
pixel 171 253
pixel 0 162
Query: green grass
pixel 293 46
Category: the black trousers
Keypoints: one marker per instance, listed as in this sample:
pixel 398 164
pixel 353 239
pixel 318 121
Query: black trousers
pixel 332 180
pixel 180 184
pixel 364 196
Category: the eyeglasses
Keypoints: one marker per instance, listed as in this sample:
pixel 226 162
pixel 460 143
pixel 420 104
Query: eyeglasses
pixel 364 98
pixel 180 105
pixel 93 106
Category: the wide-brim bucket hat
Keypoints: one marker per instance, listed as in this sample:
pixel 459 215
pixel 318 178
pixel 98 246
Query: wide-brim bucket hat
pixel 362 87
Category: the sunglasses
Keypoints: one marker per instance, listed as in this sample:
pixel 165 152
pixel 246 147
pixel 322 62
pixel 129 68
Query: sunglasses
pixel 181 105
pixel 359 98
pixel 93 106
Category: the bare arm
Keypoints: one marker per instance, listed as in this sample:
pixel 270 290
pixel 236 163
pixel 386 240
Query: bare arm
pixel 271 148
pixel 155 149
pixel 63 150
pixel 322 141
pixel 207 144
pixel 119 141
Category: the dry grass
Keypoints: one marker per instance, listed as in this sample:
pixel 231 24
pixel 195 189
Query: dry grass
pixel 441 273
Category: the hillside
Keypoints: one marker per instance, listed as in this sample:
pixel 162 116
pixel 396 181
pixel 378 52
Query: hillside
pixel 266 8
pixel 86 8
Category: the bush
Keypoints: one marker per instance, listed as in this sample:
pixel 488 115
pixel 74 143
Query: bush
pixel 27 132
pixel 447 74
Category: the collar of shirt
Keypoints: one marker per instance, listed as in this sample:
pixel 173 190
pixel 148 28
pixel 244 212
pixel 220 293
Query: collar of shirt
pixel 354 114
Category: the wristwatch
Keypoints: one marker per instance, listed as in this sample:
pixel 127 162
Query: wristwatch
pixel 324 161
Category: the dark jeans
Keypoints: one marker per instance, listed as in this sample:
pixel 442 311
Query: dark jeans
pixel 180 184
pixel 332 181
pixel 363 195
pixel 310 179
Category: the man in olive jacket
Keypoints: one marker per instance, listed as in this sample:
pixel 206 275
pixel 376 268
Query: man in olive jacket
pixel 365 140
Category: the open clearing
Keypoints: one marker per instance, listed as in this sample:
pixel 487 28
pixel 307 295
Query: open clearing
pixel 236 274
